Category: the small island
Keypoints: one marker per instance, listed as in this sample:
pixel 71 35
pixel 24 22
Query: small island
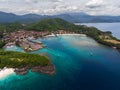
pixel 23 62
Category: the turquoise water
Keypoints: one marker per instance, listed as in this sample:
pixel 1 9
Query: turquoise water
pixel 113 27
pixel 14 48
pixel 81 64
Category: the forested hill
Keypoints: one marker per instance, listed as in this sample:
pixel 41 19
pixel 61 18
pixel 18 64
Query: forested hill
pixel 11 27
pixel 52 25
pixel 60 24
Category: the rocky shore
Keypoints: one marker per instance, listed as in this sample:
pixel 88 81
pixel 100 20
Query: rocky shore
pixel 50 70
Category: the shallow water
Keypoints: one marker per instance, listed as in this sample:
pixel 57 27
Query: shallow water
pixel 81 64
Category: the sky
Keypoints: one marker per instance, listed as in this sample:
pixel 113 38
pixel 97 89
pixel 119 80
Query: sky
pixel 92 7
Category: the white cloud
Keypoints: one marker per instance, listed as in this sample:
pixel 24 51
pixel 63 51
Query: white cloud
pixel 31 1
pixel 96 7
pixel 96 4
pixel 102 7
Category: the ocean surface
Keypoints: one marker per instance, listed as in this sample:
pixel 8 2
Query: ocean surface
pixel 113 27
pixel 81 64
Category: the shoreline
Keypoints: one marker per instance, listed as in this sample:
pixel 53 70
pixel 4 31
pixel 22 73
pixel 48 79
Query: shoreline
pixel 51 35
pixel 84 35
pixel 5 72
pixel 49 69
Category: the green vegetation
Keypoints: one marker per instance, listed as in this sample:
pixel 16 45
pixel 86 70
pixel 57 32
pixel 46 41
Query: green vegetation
pixel 11 27
pixel 2 44
pixel 99 36
pixel 16 59
pixel 52 25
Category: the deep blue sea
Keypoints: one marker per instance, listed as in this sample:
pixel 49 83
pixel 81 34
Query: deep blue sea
pixel 113 27
pixel 81 64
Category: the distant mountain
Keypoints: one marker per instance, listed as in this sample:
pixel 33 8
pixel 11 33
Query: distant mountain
pixel 71 17
pixel 85 18
pixel 8 17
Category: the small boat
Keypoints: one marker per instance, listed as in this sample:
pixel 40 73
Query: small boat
pixel 91 54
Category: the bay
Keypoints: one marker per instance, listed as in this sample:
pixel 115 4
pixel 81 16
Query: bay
pixel 81 64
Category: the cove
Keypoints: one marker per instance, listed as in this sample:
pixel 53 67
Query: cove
pixel 81 64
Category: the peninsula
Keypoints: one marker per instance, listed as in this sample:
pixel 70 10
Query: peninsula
pixel 56 24
pixel 22 62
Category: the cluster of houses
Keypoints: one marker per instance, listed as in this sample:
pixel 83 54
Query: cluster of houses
pixel 23 34
pixel 23 37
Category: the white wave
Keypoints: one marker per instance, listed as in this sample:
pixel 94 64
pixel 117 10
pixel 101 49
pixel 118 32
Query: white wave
pixel 6 72
pixel 72 34
pixel 65 35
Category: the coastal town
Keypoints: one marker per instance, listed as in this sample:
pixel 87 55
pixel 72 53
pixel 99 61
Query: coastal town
pixel 26 39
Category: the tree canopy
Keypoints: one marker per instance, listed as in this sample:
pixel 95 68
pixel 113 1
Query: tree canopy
pixel 12 59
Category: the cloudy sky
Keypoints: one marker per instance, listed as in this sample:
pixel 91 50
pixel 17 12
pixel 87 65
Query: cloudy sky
pixel 93 7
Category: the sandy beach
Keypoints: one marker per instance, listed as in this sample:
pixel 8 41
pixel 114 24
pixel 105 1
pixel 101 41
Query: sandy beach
pixel 6 72
pixel 52 35
pixel 73 34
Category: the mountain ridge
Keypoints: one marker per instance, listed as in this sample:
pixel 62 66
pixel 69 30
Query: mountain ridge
pixel 73 17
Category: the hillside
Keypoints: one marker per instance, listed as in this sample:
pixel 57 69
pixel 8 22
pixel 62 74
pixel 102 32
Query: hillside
pixel 52 25
pixel 8 17
pixel 10 27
